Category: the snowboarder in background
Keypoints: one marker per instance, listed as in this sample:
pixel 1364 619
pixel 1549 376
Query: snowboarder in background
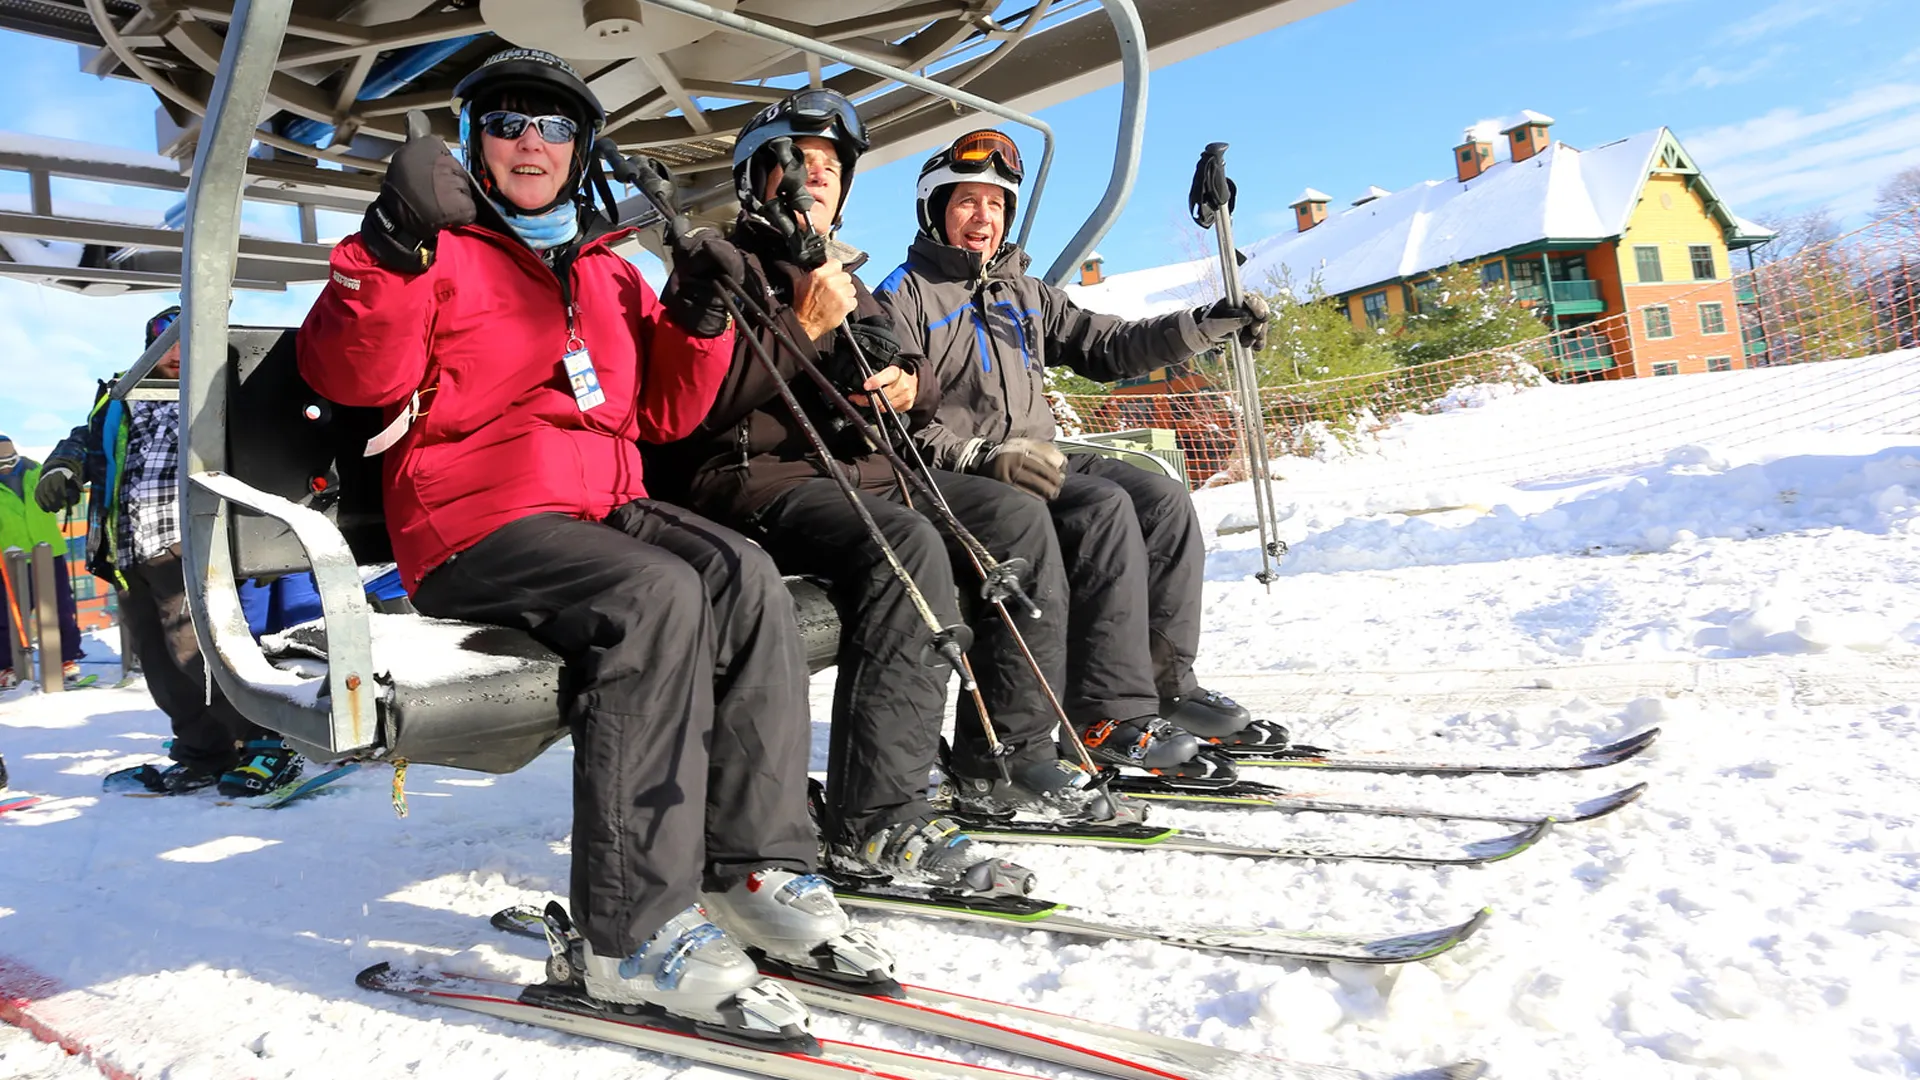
pixel 1135 555
pixel 750 464
pixel 128 454
pixel 24 523
pixel 466 306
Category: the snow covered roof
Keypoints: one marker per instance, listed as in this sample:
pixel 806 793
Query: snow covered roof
pixel 13 142
pixel 1312 195
pixel 1523 118
pixel 1560 193
pixel 1374 191
pixel 1094 256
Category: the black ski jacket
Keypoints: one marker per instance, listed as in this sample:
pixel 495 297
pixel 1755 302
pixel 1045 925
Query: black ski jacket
pixel 750 450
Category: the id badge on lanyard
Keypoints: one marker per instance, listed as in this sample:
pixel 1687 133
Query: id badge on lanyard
pixel 580 375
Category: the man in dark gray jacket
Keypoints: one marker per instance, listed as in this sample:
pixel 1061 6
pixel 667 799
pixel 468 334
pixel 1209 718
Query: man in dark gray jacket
pixel 1135 556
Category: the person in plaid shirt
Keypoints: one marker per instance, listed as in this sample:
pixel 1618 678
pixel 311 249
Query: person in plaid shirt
pixel 129 452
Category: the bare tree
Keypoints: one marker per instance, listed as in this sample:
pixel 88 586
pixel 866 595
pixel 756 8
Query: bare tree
pixel 1795 234
pixel 1899 194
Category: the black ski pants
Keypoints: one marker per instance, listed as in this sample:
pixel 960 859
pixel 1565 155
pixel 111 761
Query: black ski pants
pixel 207 729
pixel 687 700
pixel 1136 562
pixel 889 697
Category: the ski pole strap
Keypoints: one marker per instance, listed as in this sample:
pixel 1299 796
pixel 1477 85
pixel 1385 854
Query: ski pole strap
pixel 1211 188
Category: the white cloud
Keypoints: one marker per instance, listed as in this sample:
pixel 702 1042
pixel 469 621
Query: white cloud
pixel 1835 156
pixel 1781 16
pixel 1709 77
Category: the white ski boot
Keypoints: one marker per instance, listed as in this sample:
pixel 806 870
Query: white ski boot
pixel 793 922
pixel 690 969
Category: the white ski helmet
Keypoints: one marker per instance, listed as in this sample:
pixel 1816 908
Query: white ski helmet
pixel 978 157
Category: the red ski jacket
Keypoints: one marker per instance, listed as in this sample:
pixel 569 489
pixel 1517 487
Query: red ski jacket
pixel 477 340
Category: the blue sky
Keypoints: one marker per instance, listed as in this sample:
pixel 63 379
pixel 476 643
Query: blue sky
pixel 1786 104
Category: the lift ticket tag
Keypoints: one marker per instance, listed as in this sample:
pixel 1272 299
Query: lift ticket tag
pixel 583 379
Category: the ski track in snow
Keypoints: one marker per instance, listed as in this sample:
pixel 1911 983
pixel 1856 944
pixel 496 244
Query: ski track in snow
pixel 1755 915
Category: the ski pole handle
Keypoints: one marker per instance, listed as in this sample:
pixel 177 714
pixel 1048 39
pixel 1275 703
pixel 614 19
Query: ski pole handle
pixel 1212 192
pixel 654 182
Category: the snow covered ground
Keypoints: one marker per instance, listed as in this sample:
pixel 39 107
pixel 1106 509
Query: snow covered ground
pixel 1756 915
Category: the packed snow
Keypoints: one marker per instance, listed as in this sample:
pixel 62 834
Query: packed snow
pixel 1755 915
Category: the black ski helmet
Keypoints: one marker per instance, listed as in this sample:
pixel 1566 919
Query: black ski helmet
pixel 820 113
pixel 531 71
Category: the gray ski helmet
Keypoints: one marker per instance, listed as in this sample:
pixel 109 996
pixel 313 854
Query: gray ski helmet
pixel 820 113
pixel 537 72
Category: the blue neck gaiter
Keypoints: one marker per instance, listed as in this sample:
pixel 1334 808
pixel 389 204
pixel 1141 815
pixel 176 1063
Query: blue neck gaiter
pixel 542 231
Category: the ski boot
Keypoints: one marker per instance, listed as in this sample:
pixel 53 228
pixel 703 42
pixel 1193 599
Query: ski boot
pixel 264 765
pixel 687 972
pixel 1058 791
pixel 1145 742
pixel 793 926
pixel 930 850
pixel 3 774
pixel 1224 722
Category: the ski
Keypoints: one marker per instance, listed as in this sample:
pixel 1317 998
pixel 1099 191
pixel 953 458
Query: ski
pixel 1394 761
pixel 1153 838
pixel 1253 795
pixel 558 1009
pixel 1102 1049
pixel 1031 914
pixel 18 802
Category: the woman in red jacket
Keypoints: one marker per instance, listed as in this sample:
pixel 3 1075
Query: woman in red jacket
pixel 520 359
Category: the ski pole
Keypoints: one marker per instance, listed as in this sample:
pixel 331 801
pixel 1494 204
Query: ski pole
pixel 1211 200
pixel 884 410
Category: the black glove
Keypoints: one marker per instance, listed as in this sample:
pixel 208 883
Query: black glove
pixel 1035 466
pixel 59 486
pixel 702 260
pixel 1224 319
pixel 874 335
pixel 425 190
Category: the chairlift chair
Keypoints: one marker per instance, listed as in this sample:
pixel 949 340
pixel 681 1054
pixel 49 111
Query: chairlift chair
pixel 273 482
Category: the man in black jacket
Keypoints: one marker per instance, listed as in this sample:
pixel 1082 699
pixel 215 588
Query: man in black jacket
pixel 1135 556
pixel 751 467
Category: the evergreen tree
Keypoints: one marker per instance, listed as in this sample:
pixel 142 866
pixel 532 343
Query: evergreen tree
pixel 1459 315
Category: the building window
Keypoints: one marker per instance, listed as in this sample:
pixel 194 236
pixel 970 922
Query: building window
pixel 1136 414
pixel 83 587
pixel 1702 257
pixel 1646 262
pixel 1493 273
pixel 1659 322
pixel 1713 319
pixel 76 550
pixel 1375 306
pixel 1667 367
pixel 1719 363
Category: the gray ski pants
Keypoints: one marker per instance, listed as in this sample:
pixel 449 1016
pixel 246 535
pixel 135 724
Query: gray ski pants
pixel 687 698
pixel 1136 563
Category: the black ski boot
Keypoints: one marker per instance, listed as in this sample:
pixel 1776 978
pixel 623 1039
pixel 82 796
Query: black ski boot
pixel 1056 790
pixel 1224 722
pixel 1145 742
pixel 178 778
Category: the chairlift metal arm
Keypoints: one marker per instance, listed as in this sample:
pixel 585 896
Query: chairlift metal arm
pixel 743 25
pixel 212 242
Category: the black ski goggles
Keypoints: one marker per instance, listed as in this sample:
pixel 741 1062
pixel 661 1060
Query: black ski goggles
pixel 821 109
pixel 504 124
pixel 978 151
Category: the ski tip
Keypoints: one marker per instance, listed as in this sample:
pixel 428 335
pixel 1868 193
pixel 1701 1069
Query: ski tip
pixel 1607 804
pixel 1628 746
pixel 1472 926
pixel 1506 847
pixel 374 978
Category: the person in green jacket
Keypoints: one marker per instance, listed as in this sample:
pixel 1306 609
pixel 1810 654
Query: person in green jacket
pixel 23 524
